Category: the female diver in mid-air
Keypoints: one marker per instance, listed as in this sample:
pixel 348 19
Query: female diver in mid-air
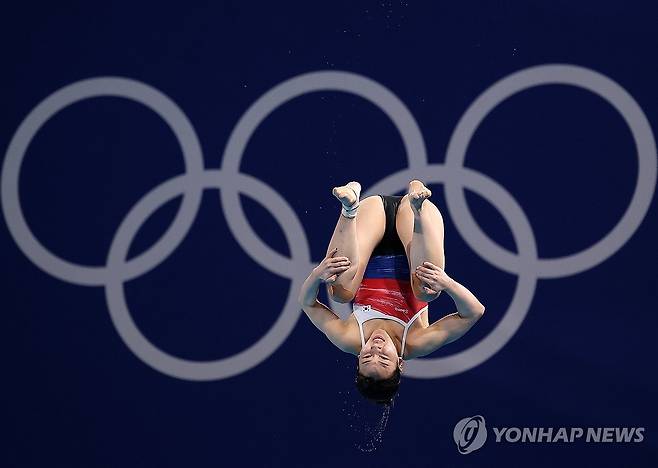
pixel 388 259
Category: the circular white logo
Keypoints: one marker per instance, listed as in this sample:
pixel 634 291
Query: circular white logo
pixel 470 434
pixel 231 182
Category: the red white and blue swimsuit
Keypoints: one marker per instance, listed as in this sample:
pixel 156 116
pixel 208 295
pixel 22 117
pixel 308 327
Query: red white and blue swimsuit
pixel 386 287
pixel 385 291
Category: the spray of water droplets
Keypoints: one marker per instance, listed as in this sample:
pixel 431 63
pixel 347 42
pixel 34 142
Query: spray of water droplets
pixel 374 435
pixel 367 421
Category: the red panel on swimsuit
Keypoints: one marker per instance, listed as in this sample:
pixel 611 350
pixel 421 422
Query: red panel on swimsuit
pixel 390 296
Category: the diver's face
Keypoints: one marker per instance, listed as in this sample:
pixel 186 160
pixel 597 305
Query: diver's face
pixel 379 357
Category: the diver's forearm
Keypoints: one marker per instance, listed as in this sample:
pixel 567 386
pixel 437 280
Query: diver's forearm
pixel 468 305
pixel 316 311
pixel 309 291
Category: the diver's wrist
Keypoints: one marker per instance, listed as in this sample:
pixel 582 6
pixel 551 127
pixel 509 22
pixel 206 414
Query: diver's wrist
pixel 316 278
pixel 451 286
pixel 315 275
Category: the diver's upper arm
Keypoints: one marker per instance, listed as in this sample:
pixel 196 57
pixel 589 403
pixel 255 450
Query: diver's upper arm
pixel 443 331
pixel 340 332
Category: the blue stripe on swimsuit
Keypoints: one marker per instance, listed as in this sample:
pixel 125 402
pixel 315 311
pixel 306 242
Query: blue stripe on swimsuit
pixel 388 266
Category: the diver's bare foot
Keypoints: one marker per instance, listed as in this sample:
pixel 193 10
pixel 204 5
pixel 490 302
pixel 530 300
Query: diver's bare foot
pixel 417 194
pixel 348 194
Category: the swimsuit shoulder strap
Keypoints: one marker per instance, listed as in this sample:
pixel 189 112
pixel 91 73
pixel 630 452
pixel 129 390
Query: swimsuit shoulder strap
pixel 360 318
pixel 406 329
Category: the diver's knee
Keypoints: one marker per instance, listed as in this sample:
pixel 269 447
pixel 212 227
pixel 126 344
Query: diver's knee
pixel 421 295
pixel 424 297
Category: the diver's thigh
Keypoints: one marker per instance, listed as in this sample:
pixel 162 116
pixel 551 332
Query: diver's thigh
pixel 404 222
pixel 370 226
pixel 432 228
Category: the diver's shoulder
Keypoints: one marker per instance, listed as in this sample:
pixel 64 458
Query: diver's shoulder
pixel 349 340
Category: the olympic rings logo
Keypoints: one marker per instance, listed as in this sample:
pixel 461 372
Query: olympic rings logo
pixel 232 182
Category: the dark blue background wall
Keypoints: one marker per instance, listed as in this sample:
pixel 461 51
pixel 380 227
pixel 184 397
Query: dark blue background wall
pixel 73 393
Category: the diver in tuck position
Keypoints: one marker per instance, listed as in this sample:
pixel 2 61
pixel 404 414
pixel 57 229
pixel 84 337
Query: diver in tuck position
pixel 386 255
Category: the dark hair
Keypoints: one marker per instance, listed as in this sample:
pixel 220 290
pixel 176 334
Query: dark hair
pixel 380 391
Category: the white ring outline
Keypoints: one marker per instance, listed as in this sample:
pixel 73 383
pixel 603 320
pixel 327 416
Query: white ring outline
pixel 645 186
pixel 280 94
pixel 98 87
pixel 523 236
pixel 115 295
